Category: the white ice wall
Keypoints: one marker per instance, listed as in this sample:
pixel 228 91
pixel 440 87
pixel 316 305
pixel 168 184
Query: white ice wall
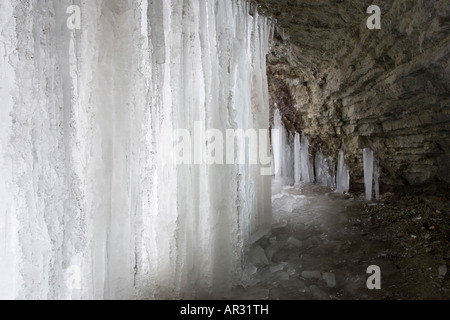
pixel 91 204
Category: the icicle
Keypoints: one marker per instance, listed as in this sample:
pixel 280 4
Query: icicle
pixel 323 165
pixel 307 169
pixel 283 151
pixel 376 176
pixel 343 175
pixel 297 159
pixel 368 172
pixel 277 143
pixel 332 177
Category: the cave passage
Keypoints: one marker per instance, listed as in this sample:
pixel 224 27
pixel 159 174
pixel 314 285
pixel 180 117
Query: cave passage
pixel 322 243
pixel 318 248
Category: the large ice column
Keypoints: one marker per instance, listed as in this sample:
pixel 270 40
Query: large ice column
pixel 277 132
pixel 297 159
pixel 376 178
pixel 307 168
pixel 323 168
pixel 284 151
pixel 343 175
pixel 93 205
pixel 368 172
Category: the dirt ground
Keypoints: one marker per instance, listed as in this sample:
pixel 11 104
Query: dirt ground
pixel 321 245
pixel 416 229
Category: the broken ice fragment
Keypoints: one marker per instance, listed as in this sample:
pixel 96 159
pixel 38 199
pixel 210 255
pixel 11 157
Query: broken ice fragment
pixel 318 293
pixel 259 256
pixel 279 225
pixel 283 276
pixel 330 279
pixel 277 268
pixel 311 275
pixel 294 242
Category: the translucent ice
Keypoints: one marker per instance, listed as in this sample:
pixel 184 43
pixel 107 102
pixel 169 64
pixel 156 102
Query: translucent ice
pixel 277 268
pixel 330 279
pixel 294 242
pixel 343 175
pixel 307 169
pixel 297 159
pixel 376 178
pixel 368 172
pixel 258 256
pixel 283 146
pixel 324 170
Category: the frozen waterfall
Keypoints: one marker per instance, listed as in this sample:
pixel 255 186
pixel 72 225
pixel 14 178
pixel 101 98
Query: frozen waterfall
pixel 92 205
pixel 371 175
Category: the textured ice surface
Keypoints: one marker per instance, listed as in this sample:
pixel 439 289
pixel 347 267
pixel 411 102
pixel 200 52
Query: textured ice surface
pixel 307 170
pixel 376 178
pixel 92 205
pixel 325 170
pixel 284 152
pixel 297 160
pixel 330 279
pixel 343 175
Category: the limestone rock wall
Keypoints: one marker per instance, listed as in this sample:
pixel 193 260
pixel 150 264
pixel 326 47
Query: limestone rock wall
pixel 348 87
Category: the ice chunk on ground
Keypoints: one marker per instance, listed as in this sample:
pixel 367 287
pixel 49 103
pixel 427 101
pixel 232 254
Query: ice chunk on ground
pixel 443 271
pixel 319 293
pixel 273 249
pixel 258 235
pixel 255 293
pixel 283 276
pixel 258 256
pixel 278 196
pixel 294 242
pixel 279 225
pixel 277 268
pixel 330 279
pixel 311 275
pixel 291 272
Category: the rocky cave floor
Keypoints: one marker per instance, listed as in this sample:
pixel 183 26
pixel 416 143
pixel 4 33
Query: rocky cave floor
pixel 321 245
